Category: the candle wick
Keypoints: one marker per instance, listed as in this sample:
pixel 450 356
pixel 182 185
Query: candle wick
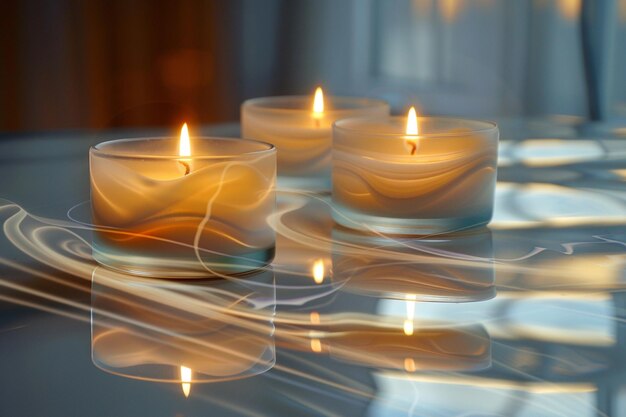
pixel 187 167
pixel 413 147
pixel 317 122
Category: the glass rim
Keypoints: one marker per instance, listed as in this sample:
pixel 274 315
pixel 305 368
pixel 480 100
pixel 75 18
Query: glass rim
pixel 98 151
pixel 487 126
pixel 365 103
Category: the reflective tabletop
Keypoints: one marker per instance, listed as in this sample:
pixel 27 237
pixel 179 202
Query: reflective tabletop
pixel 526 317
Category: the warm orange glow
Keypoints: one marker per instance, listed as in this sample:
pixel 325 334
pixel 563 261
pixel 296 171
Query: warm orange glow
pixel 318 102
pixel 450 9
pixel 409 365
pixel 410 314
pixel 412 129
pixel 569 9
pixel 316 345
pixel 408 327
pixel 185 379
pixel 184 147
pixel 318 271
pixel 315 317
pixel 411 122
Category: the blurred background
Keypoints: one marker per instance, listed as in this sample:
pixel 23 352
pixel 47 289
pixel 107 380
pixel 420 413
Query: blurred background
pixel 100 64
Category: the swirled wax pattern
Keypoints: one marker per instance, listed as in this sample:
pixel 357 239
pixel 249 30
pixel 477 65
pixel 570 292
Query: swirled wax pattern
pixel 156 220
pixel 303 140
pixel 447 173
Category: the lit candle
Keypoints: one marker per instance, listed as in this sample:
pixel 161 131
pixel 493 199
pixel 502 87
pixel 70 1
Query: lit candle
pixel 163 210
pixel 300 128
pixel 414 175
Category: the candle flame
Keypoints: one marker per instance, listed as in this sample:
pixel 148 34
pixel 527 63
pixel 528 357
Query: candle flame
pixel 184 147
pixel 185 378
pixel 318 102
pixel 318 271
pixel 411 122
pixel 412 129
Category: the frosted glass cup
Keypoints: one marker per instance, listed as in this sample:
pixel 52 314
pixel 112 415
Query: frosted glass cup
pixel 161 215
pixel 303 139
pixel 441 180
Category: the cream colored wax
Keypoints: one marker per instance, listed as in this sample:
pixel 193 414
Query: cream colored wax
pixel 155 219
pixel 442 179
pixel 303 134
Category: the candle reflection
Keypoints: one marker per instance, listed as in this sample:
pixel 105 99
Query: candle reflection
pixel 409 365
pixel 316 345
pixel 453 267
pixel 376 343
pixel 183 333
pixel 434 347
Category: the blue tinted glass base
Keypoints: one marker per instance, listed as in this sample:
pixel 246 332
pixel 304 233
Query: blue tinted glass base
pixel 316 183
pixel 403 226
pixel 168 264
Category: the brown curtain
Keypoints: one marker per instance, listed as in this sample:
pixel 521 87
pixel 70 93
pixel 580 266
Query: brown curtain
pixel 68 64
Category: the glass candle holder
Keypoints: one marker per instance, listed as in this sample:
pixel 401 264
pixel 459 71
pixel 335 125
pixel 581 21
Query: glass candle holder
pixel 302 137
pixel 161 215
pixel 441 180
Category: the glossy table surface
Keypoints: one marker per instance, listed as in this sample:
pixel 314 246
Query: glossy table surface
pixel 524 318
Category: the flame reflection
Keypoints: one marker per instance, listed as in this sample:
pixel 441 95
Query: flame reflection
pixel 538 259
pixel 318 271
pixel 410 314
pixel 316 345
pixel 185 379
